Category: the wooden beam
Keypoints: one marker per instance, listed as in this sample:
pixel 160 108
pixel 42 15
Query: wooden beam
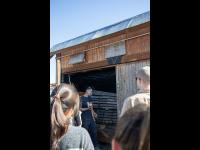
pixel 80 47
pixel 104 63
pixel 58 71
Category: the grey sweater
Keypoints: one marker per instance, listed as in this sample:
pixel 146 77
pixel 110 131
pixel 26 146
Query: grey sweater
pixel 76 138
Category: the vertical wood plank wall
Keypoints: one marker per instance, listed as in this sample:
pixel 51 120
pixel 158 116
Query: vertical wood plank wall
pixel 125 78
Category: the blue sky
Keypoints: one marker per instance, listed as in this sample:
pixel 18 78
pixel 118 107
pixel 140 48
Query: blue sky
pixel 72 18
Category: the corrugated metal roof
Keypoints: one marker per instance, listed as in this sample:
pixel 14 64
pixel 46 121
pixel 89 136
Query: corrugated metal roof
pixel 131 22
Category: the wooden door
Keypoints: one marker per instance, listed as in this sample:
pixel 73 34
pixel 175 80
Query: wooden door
pixel 125 78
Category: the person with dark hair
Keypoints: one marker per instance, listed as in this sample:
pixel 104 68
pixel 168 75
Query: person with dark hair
pixel 133 129
pixel 64 136
pixel 143 95
pixel 88 116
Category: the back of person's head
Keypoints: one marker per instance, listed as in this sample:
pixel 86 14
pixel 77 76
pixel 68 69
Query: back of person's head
pixel 144 74
pixel 133 129
pixel 64 107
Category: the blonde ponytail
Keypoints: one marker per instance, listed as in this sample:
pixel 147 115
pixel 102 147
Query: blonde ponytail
pixel 66 97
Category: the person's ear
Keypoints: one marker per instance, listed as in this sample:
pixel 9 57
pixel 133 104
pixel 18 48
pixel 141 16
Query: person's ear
pixel 115 145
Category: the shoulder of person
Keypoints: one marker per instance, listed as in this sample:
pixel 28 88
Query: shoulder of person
pixel 80 130
pixel 86 140
pixel 141 95
pixel 136 97
pixel 141 98
pixel 74 133
pixel 83 131
pixel 133 97
pixel 128 101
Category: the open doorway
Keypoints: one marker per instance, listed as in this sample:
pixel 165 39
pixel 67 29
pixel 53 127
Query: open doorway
pixel 103 82
pixel 100 80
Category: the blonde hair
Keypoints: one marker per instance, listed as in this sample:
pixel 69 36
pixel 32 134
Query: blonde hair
pixel 144 74
pixel 66 97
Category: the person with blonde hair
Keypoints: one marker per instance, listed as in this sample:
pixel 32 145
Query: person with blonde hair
pixel 143 87
pixel 76 120
pixel 64 136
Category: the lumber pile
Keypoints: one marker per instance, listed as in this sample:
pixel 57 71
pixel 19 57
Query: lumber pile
pixel 105 105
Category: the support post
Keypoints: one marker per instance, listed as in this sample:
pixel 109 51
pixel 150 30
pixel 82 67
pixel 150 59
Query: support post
pixel 58 71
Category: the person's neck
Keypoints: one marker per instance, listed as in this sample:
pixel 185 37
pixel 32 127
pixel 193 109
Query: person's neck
pixel 86 95
pixel 146 88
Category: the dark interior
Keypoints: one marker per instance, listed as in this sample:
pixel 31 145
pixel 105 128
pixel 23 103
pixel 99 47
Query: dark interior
pixel 101 80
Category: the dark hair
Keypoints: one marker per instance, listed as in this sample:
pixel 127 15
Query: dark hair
pixel 54 91
pixel 88 88
pixel 133 129
pixel 66 97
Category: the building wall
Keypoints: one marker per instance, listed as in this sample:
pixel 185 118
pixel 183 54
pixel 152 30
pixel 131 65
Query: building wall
pixel 136 48
pixel 138 45
pixel 125 78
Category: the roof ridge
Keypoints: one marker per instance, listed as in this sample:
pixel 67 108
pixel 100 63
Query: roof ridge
pixel 59 45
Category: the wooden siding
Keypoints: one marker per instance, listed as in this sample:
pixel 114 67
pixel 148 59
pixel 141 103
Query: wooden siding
pixel 138 45
pixel 103 64
pixel 125 78
pixel 137 48
pixel 116 49
pixel 145 28
pixel 95 55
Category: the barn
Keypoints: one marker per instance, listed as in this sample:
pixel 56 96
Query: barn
pixel 107 60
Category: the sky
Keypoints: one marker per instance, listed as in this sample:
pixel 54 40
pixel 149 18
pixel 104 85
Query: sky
pixel 72 18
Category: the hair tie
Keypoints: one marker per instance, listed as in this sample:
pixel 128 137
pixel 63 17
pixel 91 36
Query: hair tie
pixel 57 97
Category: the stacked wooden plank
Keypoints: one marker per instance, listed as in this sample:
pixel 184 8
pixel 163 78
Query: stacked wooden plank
pixel 105 105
